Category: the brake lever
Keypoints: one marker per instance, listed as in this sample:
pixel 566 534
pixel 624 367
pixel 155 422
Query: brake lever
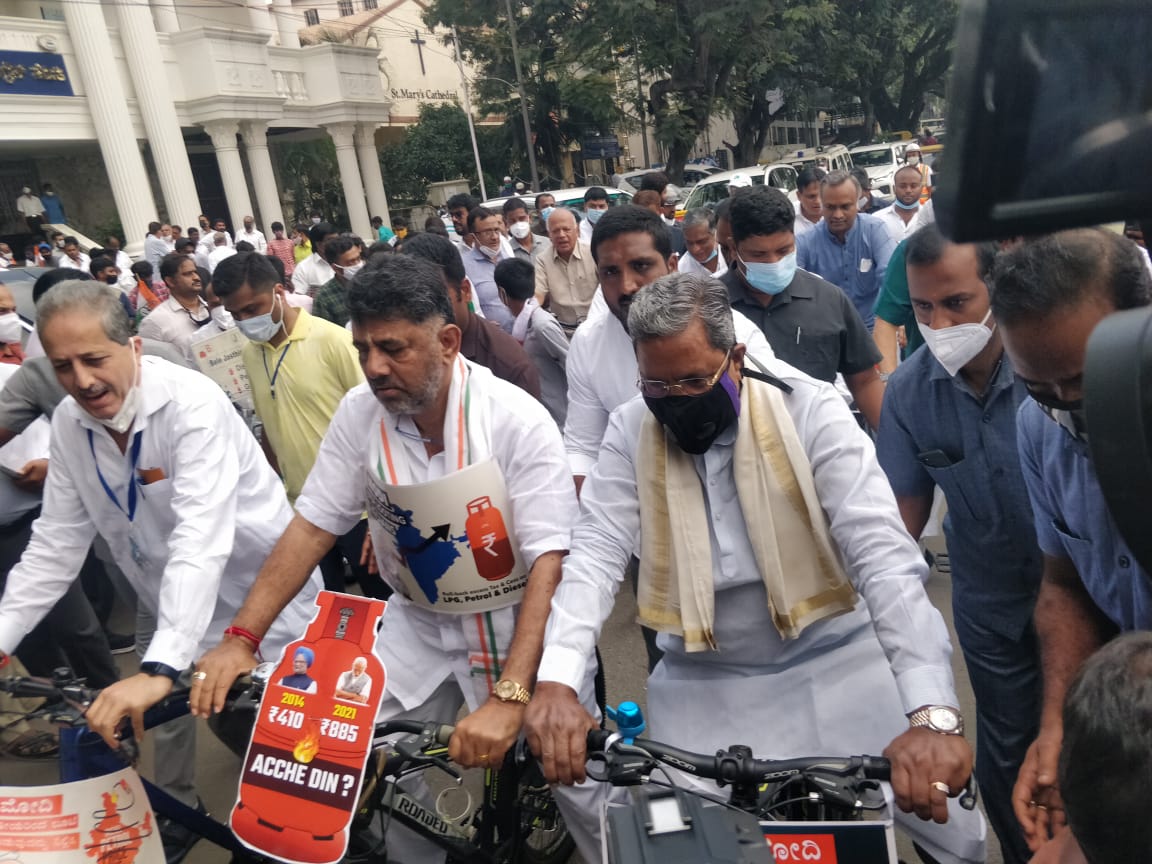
pixel 969 794
pixel 413 752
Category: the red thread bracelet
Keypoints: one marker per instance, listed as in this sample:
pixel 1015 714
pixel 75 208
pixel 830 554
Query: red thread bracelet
pixel 247 636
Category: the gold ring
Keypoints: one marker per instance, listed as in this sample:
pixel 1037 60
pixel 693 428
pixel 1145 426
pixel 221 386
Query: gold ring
pixel 940 786
pixel 199 676
pixel 483 757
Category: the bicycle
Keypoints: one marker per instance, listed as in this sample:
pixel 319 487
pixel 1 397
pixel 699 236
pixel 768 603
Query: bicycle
pixel 822 802
pixel 516 821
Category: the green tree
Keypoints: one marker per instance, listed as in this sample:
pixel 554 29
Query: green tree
pixel 569 91
pixel 888 54
pixel 438 147
pixel 311 177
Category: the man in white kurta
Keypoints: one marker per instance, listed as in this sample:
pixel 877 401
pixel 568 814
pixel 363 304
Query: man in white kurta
pixel 152 457
pixel 843 685
pixel 424 419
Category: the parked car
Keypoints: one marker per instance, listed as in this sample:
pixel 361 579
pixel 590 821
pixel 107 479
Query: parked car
pixel 834 157
pixel 573 199
pixel 693 174
pixel 881 162
pixel 714 189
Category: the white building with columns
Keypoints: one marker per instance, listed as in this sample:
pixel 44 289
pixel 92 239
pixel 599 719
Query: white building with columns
pixel 146 110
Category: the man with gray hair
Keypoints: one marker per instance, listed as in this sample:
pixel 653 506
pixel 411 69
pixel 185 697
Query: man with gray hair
pixel 703 256
pixel 773 563
pixel 153 457
pixel 848 248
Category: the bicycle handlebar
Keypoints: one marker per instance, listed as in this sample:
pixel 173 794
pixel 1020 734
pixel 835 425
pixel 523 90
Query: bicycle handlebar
pixel 730 767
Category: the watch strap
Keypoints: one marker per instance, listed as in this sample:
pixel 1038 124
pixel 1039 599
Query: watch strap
pixel 520 694
pixel 153 668
pixel 922 717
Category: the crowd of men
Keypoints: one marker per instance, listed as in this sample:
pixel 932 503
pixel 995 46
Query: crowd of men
pixel 748 415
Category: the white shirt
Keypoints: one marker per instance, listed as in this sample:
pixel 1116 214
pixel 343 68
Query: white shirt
pixel 883 562
pixel 689 264
pixel 80 263
pixel 170 322
pixel 29 205
pixel 217 255
pixel 802 225
pixel 894 223
pixel 256 238
pixel 208 241
pixel 154 251
pixel 602 375
pixel 421 648
pixel 202 531
pixel 926 215
pixel 127 281
pixel 311 273
pixel 586 228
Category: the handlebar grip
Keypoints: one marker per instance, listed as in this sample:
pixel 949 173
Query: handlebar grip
pixel 442 732
pixel 876 768
pixel 598 739
pixel 29 687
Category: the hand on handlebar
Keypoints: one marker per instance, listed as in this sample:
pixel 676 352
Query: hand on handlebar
pixel 220 668
pixel 483 737
pixel 921 758
pixel 1035 797
pixel 557 727
pixel 128 698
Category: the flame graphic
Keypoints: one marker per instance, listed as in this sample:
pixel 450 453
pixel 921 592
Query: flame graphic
pixel 308 746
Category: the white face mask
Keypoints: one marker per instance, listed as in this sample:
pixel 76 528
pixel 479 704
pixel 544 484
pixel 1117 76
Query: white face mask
pixel 10 328
pixel 862 202
pixel 955 346
pixel 352 269
pixel 126 416
pixel 519 230
pixel 261 328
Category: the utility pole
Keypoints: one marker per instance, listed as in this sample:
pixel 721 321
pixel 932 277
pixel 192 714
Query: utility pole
pixel 642 105
pixel 528 142
pixel 468 111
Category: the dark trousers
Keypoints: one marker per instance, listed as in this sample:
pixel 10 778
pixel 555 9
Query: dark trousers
pixel 1006 679
pixel 348 548
pixel 70 634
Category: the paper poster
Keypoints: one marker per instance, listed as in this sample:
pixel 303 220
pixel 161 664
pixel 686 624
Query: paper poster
pixel 448 544
pixel 305 764
pixel 105 820
pixel 220 357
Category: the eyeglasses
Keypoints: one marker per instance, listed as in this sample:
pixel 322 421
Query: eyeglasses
pixel 685 386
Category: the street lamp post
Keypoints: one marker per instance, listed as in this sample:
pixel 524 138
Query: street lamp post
pixel 468 111
pixel 523 100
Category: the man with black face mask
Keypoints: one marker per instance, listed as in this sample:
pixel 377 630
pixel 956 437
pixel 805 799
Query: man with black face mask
pixel 772 561
pixel 1047 297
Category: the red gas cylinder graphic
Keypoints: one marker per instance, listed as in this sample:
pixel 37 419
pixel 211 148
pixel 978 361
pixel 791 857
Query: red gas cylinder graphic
pixel 488 538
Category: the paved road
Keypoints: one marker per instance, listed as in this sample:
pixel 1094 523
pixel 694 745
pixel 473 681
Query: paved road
pixel 624 659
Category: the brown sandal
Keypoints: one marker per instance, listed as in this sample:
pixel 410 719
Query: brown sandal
pixel 32 745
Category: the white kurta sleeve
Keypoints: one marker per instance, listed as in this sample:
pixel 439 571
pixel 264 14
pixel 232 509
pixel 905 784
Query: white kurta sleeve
pixel 205 489
pixel 54 555
pixel 602 543
pixel 883 561
pixel 587 418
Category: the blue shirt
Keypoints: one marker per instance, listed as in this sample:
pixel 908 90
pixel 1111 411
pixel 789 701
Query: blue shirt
pixel 1072 519
pixel 53 209
pixel 996 564
pixel 481 272
pixel 856 266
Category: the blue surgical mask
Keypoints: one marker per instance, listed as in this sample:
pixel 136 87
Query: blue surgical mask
pixel 715 252
pixel 915 205
pixel 771 278
pixel 545 213
pixel 261 328
pixel 594 215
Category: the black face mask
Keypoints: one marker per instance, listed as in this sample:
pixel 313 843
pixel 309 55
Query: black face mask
pixel 697 421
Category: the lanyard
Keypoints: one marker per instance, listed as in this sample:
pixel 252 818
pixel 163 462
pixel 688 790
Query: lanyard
pixel 272 376
pixel 131 511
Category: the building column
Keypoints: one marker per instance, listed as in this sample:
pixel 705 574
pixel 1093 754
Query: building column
pixel 109 110
pixel 164 14
pixel 370 170
pixel 223 135
pixel 258 16
pixel 287 23
pixel 342 136
pixel 158 112
pixel 255 134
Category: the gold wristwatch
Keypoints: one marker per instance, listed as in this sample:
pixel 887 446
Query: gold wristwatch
pixel 938 718
pixel 510 691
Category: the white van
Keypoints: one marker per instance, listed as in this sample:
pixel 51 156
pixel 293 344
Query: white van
pixel 834 157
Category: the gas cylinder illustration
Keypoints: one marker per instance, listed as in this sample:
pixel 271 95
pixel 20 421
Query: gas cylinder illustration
pixel 488 537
